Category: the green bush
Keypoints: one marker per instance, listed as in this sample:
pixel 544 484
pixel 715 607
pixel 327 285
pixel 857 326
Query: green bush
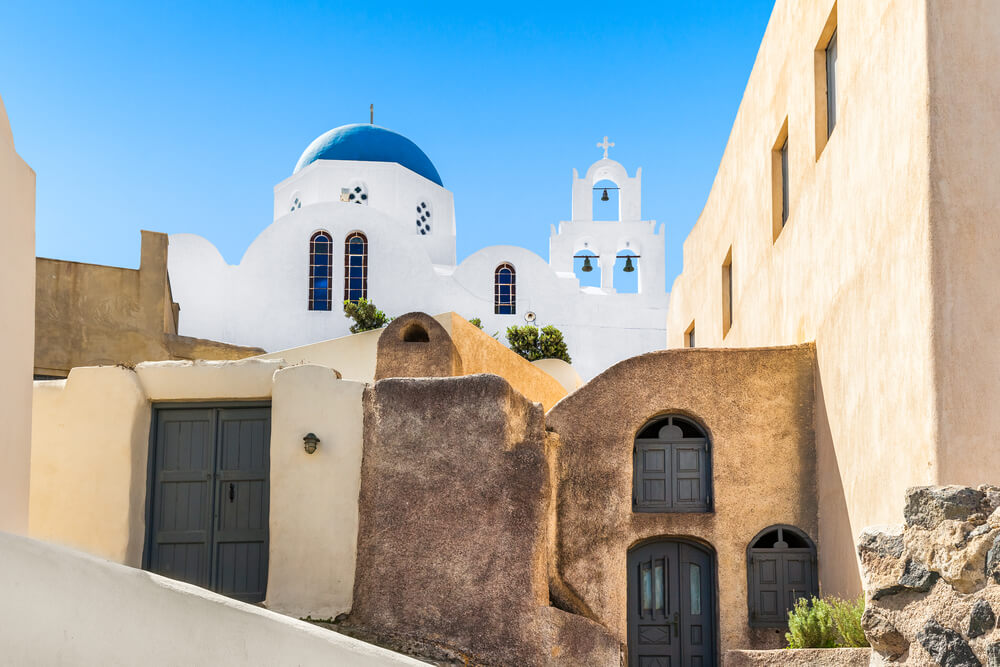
pixel 810 625
pixel 533 343
pixel 476 322
pixel 826 622
pixel 847 620
pixel 366 315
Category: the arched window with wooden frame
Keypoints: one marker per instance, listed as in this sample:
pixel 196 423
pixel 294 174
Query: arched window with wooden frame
pixel 671 467
pixel 505 290
pixel 320 271
pixel 781 568
pixel 355 267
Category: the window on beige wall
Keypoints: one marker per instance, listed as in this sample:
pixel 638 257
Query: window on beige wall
pixel 825 75
pixel 689 335
pixel 779 182
pixel 727 292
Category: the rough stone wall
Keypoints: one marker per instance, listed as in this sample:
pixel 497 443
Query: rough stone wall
pixel 757 408
pixel 454 526
pixel 932 585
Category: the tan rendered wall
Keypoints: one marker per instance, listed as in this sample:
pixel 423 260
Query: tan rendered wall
pixel 17 296
pixel 850 270
pixel 89 315
pixel 756 406
pixel 90 451
pixel 355 356
pixel 965 214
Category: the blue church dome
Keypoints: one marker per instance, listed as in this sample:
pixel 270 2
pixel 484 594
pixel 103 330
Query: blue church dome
pixel 369 143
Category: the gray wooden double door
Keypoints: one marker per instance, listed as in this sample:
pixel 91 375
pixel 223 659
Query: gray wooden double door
pixel 671 605
pixel 208 513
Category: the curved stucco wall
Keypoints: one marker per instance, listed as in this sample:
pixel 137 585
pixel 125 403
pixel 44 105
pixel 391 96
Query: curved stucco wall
pixel 61 607
pixel 17 335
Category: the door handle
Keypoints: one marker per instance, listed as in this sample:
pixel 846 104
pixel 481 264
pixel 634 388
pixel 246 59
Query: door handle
pixel 232 491
pixel 675 621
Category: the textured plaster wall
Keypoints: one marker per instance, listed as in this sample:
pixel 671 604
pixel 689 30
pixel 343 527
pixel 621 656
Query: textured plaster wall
pixel 314 497
pixel 355 356
pixel 17 252
pixel 110 615
pixel 964 57
pixel 89 448
pixel 851 270
pixel 455 527
pixel 756 406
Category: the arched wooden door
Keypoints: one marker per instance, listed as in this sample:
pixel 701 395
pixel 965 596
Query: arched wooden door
pixel 671 605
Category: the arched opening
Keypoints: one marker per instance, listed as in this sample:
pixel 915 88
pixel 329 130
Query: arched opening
pixel 320 271
pixel 671 467
pixel 781 568
pixel 416 333
pixel 627 272
pixel 606 200
pixel 671 603
pixel 504 290
pixel 587 268
pixel 355 267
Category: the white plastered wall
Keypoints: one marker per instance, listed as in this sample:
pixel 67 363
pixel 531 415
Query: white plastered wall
pixel 62 607
pixel 17 334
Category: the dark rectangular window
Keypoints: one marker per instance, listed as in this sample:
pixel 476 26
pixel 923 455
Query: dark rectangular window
pixel 690 335
pixel 784 182
pixel 727 293
pixel 831 84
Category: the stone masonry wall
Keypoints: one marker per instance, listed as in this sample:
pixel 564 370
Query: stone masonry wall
pixel 932 585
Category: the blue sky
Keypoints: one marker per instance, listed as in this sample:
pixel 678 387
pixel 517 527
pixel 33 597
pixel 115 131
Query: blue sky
pixel 181 117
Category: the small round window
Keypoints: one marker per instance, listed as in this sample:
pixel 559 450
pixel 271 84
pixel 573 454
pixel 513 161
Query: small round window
pixel 423 218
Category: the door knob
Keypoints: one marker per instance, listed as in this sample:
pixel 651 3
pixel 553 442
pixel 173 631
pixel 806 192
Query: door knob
pixel 675 621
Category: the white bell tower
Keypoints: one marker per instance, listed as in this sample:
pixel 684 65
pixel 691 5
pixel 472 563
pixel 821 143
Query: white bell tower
pixel 610 238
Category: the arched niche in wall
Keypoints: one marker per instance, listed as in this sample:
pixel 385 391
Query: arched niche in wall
pixel 627 271
pixel 606 200
pixel 587 268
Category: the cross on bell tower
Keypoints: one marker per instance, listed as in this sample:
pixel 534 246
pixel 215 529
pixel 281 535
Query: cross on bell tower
pixel 605 145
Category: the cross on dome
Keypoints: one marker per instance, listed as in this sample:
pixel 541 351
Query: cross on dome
pixel 605 145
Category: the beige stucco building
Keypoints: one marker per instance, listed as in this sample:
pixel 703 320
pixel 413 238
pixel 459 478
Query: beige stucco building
pixel 17 294
pixel 879 244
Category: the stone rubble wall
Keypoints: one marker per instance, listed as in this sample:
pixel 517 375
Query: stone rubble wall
pixel 932 585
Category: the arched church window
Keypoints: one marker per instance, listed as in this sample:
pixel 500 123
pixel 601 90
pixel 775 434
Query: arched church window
pixel 504 290
pixel 423 218
pixel 671 470
pixel 781 568
pixel 320 271
pixel 355 193
pixel 355 267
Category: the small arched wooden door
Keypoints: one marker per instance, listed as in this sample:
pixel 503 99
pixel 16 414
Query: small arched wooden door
pixel 671 605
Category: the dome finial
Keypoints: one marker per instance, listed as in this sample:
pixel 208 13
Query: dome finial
pixel 371 112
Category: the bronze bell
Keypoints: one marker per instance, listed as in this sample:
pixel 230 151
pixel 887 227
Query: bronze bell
pixel 587 268
pixel 605 197
pixel 628 265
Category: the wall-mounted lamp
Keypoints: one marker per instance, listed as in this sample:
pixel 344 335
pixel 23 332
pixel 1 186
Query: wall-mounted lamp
pixel 310 441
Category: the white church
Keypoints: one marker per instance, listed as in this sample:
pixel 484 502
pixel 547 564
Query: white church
pixel 365 214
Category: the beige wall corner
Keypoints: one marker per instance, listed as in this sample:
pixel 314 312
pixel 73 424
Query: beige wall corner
pixel 89 448
pixel 314 497
pixel 205 380
pixel 17 294
pixel 111 615
pixel 562 372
